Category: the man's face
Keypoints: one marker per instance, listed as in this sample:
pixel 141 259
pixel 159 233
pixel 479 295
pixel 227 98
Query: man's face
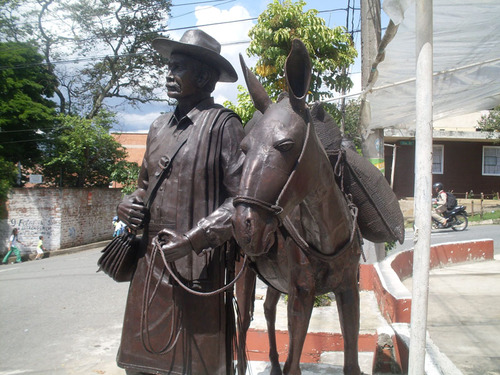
pixel 182 76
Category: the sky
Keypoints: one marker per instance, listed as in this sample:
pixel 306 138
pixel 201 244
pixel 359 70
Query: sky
pixel 234 39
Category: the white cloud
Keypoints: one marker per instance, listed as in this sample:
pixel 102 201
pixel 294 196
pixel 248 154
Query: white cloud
pixel 136 122
pixel 230 35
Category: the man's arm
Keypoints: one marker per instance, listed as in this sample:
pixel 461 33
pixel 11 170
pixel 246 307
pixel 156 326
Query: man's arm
pixel 215 229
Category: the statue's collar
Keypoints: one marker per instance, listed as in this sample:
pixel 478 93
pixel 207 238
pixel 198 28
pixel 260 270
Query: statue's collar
pixel 194 113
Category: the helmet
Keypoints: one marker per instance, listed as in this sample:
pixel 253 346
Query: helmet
pixel 438 186
pixel 115 218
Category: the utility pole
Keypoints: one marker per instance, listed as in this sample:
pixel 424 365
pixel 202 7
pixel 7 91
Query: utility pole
pixel 423 182
pixel 372 141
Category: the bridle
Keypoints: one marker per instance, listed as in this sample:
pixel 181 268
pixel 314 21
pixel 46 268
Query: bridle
pixel 276 208
pixel 281 208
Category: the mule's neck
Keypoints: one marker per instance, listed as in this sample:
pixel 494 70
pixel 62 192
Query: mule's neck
pixel 326 213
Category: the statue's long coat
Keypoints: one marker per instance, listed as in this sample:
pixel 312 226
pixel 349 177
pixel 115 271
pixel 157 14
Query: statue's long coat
pixel 167 330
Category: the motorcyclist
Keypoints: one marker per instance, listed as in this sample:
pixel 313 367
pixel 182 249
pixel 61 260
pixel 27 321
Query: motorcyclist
pixel 439 204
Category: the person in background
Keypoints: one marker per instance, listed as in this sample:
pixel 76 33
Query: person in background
pixel 440 203
pixel 13 240
pixel 119 227
pixel 39 248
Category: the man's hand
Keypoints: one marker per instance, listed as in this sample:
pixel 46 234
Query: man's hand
pixel 174 245
pixel 133 212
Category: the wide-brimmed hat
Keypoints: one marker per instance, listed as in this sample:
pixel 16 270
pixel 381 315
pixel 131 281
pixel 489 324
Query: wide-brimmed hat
pixel 201 46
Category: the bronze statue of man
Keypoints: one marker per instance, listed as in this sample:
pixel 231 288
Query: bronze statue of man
pixel 166 329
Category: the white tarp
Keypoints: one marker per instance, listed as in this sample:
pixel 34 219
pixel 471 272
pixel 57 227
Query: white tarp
pixel 466 63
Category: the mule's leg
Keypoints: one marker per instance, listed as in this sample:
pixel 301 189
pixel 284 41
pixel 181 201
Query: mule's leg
pixel 348 306
pixel 300 305
pixel 272 298
pixel 245 296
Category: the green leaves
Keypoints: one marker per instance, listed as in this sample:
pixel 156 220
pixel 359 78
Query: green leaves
pixel 109 42
pixel 491 121
pixel 7 177
pixel 25 110
pixel 331 50
pixel 245 108
pixel 82 153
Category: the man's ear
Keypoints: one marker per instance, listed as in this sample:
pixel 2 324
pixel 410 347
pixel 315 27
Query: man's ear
pixel 203 78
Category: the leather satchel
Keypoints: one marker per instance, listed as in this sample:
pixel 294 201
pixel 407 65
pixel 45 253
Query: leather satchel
pixel 119 257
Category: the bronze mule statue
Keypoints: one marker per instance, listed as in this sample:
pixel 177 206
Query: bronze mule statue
pixel 292 219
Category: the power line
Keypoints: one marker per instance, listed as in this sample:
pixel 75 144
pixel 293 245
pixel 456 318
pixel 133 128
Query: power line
pixel 82 59
pixel 57 17
pixel 197 3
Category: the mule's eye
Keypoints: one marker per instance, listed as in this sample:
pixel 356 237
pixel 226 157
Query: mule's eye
pixel 284 145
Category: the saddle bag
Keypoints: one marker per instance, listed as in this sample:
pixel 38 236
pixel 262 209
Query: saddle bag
pixel 380 218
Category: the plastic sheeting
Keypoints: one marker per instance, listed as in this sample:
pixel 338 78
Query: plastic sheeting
pixel 466 62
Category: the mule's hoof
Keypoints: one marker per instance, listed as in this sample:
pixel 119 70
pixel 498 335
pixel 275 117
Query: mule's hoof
pixel 355 370
pixel 276 370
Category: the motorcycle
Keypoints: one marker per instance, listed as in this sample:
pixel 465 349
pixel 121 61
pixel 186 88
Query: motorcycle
pixel 457 219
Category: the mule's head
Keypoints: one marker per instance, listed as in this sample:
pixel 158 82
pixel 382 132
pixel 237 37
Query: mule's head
pixel 272 149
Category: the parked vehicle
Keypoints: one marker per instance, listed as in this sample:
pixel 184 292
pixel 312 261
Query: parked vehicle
pixel 457 219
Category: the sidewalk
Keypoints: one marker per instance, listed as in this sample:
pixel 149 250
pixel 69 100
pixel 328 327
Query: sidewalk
pixel 464 314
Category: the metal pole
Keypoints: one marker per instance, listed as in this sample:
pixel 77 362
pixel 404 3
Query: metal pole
pixel 423 186
pixel 372 141
pixel 393 165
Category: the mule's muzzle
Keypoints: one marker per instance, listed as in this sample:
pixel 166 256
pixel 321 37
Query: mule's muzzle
pixel 253 230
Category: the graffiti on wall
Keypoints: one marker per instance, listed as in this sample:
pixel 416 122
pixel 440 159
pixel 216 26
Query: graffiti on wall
pixel 31 229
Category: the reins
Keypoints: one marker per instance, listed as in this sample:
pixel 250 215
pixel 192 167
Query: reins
pixel 273 208
pixel 175 329
pixel 157 249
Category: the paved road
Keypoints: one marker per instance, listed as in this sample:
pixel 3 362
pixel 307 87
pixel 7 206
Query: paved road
pixel 60 317
pixel 473 232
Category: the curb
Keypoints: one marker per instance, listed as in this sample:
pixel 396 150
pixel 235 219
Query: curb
pixel 71 250
pixel 26 257
pixel 385 279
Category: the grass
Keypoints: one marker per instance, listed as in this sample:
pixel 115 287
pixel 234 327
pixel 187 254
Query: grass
pixel 487 215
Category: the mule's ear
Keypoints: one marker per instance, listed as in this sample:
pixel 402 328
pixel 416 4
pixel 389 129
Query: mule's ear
pixel 298 74
pixel 257 92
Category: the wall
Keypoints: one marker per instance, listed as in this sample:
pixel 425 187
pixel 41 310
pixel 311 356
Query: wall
pixel 65 217
pixel 134 144
pixel 462 169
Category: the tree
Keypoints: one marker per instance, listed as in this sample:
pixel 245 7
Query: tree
pixel 26 113
pixel 351 119
pixel 331 52
pixel 7 177
pixel 127 174
pixel 244 108
pixel 330 49
pixel 108 41
pixel 490 122
pixel 83 153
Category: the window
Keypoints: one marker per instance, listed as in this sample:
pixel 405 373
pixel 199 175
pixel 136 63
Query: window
pixel 491 160
pixel 437 159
